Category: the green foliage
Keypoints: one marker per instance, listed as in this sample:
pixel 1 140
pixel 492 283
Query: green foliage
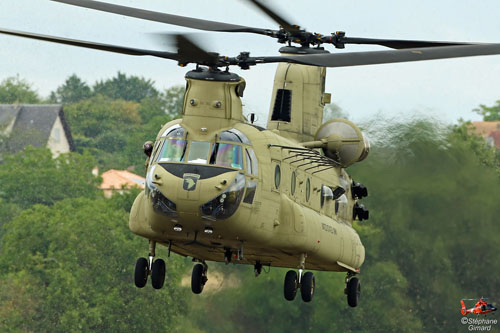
pixel 436 202
pixel 489 113
pixel 69 268
pixel 130 88
pixel 174 97
pixel 333 111
pixel 100 115
pixel 33 177
pixel 114 130
pixel 73 90
pixel 16 90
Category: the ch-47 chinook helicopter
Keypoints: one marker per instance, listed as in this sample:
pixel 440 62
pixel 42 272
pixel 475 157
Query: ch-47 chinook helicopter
pixel 219 188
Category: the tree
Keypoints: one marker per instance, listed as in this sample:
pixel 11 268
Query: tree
pixel 132 88
pixel 99 115
pixel 33 177
pixel 73 90
pixel 16 90
pixel 489 113
pixel 69 267
pixel 174 97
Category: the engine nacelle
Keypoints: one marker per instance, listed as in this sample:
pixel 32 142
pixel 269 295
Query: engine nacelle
pixel 342 141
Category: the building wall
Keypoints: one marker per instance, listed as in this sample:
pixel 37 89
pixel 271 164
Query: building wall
pixel 58 143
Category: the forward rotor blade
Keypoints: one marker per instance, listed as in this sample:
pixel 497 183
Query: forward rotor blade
pixel 280 20
pixel 387 57
pixel 182 21
pixel 398 43
pixel 188 51
pixel 92 45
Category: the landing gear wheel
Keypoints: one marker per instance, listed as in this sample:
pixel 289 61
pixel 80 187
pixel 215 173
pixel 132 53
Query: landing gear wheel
pixel 353 292
pixel 141 272
pixel 307 286
pixel 291 285
pixel 198 278
pixel 158 274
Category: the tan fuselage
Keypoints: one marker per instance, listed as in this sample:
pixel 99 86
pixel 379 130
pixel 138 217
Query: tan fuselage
pixel 282 224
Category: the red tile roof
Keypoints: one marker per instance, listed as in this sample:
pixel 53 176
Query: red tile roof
pixel 484 128
pixel 117 179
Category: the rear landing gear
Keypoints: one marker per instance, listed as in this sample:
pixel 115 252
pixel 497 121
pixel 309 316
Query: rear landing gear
pixel 352 290
pixel 306 282
pixel 145 267
pixel 199 277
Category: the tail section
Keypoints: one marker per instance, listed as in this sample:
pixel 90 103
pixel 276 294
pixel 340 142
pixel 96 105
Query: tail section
pixel 464 309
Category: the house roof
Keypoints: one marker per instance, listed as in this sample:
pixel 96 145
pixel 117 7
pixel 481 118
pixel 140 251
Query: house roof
pixel 33 124
pixel 117 179
pixel 484 128
pixel 7 114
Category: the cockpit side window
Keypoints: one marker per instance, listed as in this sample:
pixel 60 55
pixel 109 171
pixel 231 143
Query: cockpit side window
pixel 226 154
pixel 252 166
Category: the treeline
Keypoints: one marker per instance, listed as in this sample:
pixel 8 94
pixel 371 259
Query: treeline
pixel 110 119
pixel 67 256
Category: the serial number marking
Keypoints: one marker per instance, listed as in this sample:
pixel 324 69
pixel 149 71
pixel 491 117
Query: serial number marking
pixel 328 228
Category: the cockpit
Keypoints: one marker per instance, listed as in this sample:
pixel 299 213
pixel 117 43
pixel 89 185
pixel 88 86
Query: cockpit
pixel 229 151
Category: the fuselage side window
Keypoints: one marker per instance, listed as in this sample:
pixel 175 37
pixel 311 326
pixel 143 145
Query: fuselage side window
pixel 277 176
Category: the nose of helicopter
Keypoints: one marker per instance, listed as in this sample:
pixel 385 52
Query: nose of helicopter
pixel 194 194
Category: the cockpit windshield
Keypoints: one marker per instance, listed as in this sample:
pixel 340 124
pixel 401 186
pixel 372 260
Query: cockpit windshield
pixel 198 152
pixel 226 154
pixel 173 150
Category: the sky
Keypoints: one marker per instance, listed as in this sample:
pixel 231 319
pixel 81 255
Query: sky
pixel 444 89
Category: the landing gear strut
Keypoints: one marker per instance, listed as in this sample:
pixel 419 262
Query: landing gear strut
pixel 145 267
pixel 199 277
pixel 306 282
pixel 257 268
pixel 352 289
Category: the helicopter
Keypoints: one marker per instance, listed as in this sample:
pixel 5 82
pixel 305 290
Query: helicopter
pixel 220 188
pixel 481 307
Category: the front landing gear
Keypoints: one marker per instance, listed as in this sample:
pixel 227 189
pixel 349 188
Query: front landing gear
pixel 145 267
pixel 352 290
pixel 199 277
pixel 141 272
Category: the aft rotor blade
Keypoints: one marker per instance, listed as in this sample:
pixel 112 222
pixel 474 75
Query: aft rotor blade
pixel 280 20
pixel 182 21
pixel 387 57
pixel 398 43
pixel 92 45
